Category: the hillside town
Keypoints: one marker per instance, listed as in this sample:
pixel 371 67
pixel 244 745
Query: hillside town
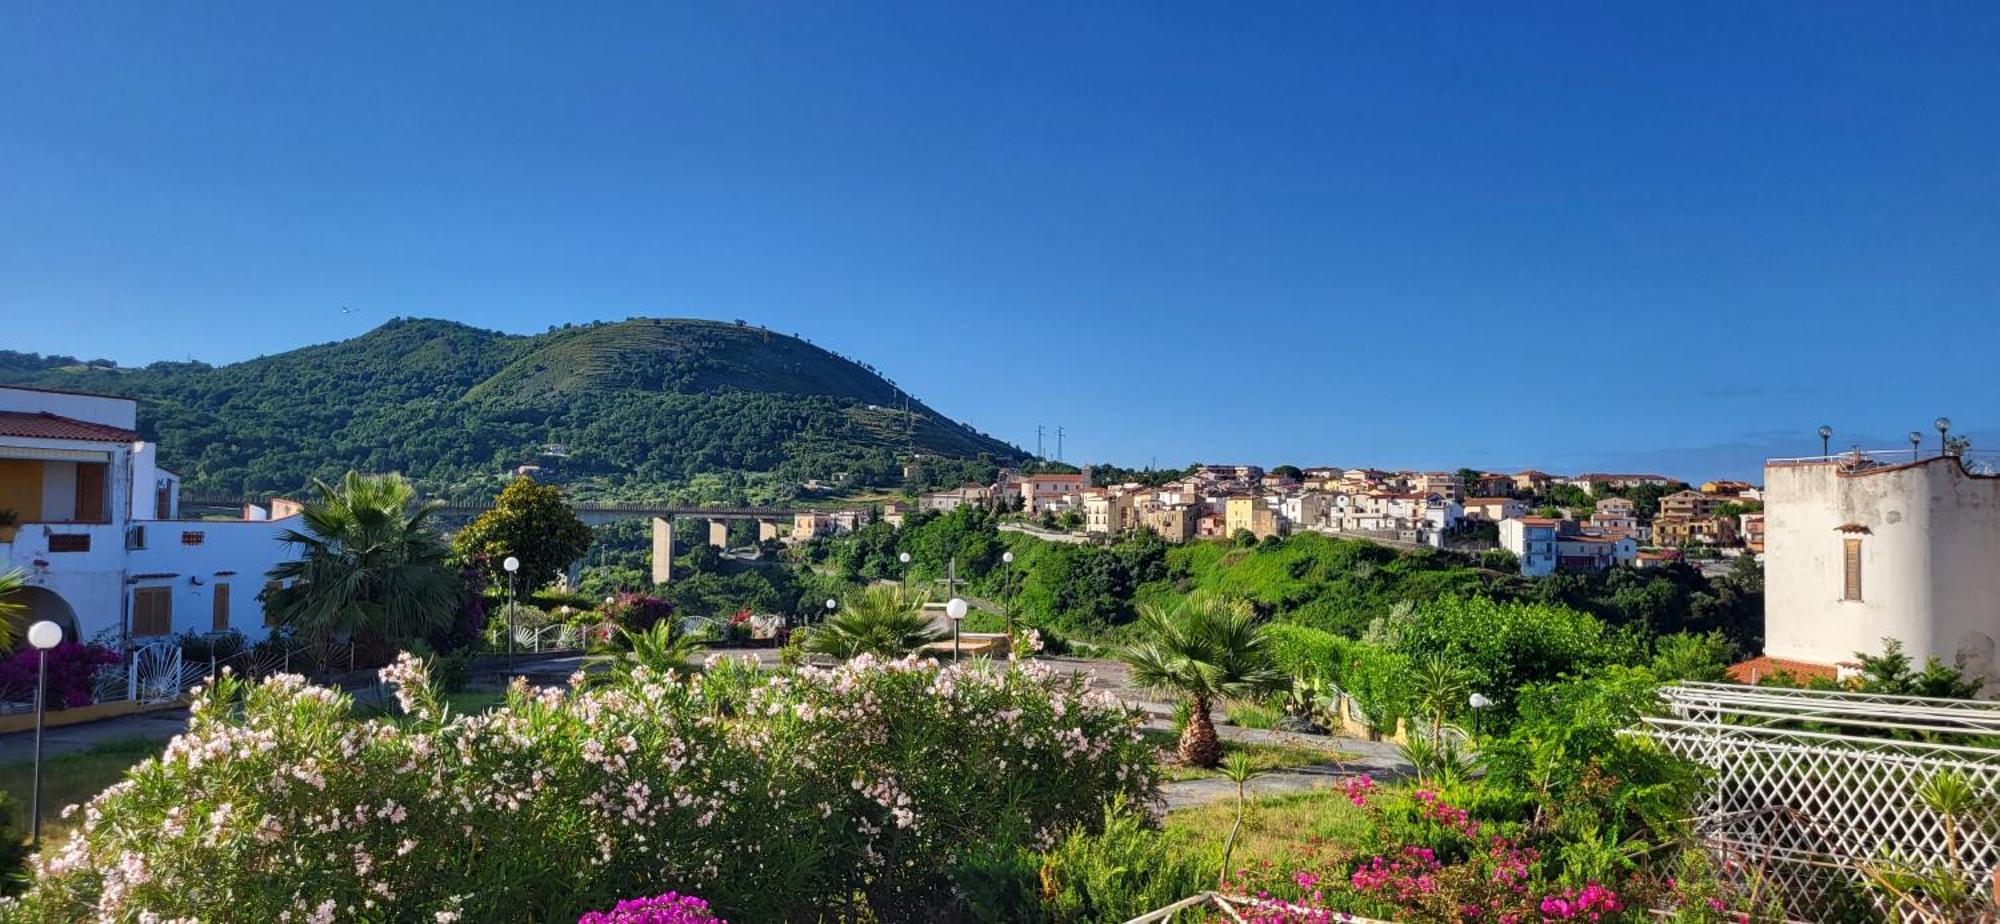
pixel 1585 522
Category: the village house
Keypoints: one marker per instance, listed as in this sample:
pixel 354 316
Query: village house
pixel 1676 531
pixel 1598 483
pixel 1688 504
pixel 1173 522
pixel 1051 492
pixel 1533 483
pixel 1252 514
pixel 1443 484
pixel 1533 542
pixel 1494 509
pixel 947 501
pixel 98 534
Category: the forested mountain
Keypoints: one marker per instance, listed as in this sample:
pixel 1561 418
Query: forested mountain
pixel 638 402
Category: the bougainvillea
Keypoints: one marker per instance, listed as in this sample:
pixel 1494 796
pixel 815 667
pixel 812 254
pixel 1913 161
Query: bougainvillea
pixel 671 908
pixel 773 798
pixel 71 667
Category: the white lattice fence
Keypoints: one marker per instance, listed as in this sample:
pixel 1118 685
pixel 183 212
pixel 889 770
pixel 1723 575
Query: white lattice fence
pixel 1809 787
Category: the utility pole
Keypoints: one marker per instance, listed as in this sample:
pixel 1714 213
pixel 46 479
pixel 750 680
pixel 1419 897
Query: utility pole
pixel 1059 441
pixel 1038 441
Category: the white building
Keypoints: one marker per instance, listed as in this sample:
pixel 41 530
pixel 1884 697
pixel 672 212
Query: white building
pixel 1857 550
pixel 1533 542
pixel 98 539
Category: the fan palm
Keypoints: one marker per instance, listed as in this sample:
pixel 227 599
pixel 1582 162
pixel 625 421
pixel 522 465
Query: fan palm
pixel 661 648
pixel 881 620
pixel 11 609
pixel 369 562
pixel 1203 649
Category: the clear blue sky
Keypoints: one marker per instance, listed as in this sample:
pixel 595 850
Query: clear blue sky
pixel 1563 235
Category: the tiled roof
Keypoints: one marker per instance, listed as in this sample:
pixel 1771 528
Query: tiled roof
pixel 1763 667
pixel 45 426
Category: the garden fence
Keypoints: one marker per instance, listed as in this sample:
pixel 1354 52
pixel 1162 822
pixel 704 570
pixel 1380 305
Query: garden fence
pixel 1812 794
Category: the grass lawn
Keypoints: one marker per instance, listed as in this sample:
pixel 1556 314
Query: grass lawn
pixel 1262 756
pixel 1321 824
pixel 71 779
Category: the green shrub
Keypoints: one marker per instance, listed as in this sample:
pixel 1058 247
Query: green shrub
pixel 1254 715
pixel 13 849
pixel 1302 651
pixel 1119 873
pixel 776 798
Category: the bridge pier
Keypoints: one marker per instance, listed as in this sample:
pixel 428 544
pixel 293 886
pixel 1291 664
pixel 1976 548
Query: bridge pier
pixel 663 549
pixel 767 530
pixel 718 533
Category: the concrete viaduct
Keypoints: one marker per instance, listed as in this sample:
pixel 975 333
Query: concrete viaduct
pixel 768 519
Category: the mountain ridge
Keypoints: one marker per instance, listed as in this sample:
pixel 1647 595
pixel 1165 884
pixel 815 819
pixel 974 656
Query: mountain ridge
pixel 645 400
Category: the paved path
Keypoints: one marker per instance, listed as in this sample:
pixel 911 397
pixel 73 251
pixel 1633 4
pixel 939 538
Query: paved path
pixel 1375 758
pixel 67 739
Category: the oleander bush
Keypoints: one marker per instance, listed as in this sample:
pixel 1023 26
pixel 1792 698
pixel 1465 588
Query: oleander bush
pixel 808 795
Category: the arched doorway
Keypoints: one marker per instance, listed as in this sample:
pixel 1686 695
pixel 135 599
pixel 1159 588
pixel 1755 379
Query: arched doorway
pixel 39 603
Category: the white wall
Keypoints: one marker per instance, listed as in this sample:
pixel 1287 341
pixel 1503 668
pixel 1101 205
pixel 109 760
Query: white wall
pixel 247 547
pixel 1929 572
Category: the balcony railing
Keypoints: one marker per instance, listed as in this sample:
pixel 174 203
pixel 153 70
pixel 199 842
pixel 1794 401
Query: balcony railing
pixel 1976 461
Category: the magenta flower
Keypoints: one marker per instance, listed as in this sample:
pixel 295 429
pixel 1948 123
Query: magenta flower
pixel 671 908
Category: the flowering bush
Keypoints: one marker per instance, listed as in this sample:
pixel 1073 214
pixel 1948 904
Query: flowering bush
pixel 671 908
pixel 636 612
pixel 801 792
pixel 71 667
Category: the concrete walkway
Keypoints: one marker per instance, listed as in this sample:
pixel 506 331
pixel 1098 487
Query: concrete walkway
pixel 1374 758
pixel 68 739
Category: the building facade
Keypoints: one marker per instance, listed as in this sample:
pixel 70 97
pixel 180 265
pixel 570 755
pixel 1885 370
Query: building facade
pixel 1856 551
pixel 98 538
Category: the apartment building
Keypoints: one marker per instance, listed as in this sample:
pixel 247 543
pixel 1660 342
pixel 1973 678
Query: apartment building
pixel 1533 542
pixel 1051 492
pixel 1494 509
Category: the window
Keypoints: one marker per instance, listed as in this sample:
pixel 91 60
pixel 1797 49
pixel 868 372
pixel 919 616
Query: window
pixel 1851 560
pixel 153 611
pixel 192 537
pixel 219 610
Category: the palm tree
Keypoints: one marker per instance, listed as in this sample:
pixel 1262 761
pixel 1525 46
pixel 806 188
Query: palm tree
pixel 370 562
pixel 881 620
pixel 664 647
pixel 1203 649
pixel 11 609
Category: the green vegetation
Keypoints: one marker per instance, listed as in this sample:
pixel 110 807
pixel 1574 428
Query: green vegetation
pixel 637 404
pixel 370 563
pixel 70 779
pixel 530 522
pixel 881 620
pixel 1203 649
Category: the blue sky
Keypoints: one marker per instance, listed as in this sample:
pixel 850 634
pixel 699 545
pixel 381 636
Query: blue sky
pixel 1561 235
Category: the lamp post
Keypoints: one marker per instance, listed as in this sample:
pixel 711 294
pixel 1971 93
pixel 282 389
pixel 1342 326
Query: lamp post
pixel 1916 443
pixel 1479 703
pixel 1007 597
pixel 904 557
pixel 1825 438
pixel 831 605
pixel 511 565
pixel 43 635
pixel 1943 425
pixel 956 610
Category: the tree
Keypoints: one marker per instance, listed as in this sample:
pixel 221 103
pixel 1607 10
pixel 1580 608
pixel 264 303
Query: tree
pixel 881 620
pixel 369 562
pixel 11 609
pixel 531 522
pixel 1203 648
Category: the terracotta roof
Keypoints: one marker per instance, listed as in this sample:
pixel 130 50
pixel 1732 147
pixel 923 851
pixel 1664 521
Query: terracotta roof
pixel 46 426
pixel 1764 666
pixel 1539 521
pixel 1479 501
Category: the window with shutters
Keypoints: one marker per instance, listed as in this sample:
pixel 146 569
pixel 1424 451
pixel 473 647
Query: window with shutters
pixel 152 611
pixel 219 610
pixel 1851 565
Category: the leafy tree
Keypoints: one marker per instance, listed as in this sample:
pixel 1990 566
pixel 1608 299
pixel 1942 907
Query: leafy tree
pixel 1203 649
pixel 531 522
pixel 881 620
pixel 369 562
pixel 1894 672
pixel 1504 646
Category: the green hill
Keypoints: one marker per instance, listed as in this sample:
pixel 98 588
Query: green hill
pixel 637 403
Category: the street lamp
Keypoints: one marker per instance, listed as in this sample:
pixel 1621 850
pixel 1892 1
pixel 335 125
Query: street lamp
pixel 43 635
pixel 1007 596
pixel 511 565
pixel 1479 703
pixel 1943 425
pixel 1916 443
pixel 1825 436
pixel 955 608
pixel 831 605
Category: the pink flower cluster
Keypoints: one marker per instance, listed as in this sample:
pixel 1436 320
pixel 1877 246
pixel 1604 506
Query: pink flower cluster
pixel 1359 788
pixel 671 908
pixel 1590 903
